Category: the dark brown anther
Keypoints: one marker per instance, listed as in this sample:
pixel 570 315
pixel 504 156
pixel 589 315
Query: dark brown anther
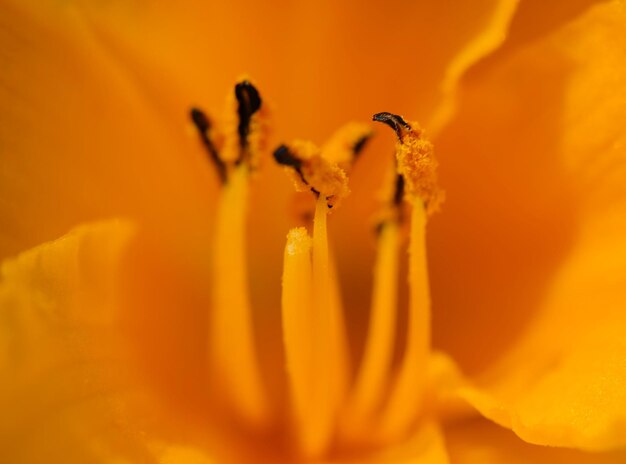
pixel 202 123
pixel 398 194
pixel 394 121
pixel 360 144
pixel 283 156
pixel 249 101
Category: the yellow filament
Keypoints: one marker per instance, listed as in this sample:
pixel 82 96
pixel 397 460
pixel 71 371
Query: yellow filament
pixel 404 404
pixel 297 315
pixel 374 371
pixel 232 338
pixel 339 339
pixel 313 335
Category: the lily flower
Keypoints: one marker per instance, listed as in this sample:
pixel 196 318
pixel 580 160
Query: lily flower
pixel 151 309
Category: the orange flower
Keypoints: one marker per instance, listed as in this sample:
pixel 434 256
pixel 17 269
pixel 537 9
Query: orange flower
pixel 136 338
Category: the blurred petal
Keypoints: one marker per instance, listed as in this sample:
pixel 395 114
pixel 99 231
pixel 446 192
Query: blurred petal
pixel 79 139
pixel 316 61
pixel 425 447
pixel 105 132
pixel 478 441
pixel 539 193
pixel 59 352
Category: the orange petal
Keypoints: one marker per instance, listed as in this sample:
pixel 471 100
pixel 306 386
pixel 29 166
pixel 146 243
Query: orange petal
pixel 537 189
pixel 426 446
pixel 59 355
pixel 478 441
pixel 80 140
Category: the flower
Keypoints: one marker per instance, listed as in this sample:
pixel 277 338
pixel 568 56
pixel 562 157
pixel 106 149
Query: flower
pixel 103 332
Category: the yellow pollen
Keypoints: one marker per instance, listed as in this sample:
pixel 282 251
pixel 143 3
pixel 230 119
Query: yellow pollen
pixel 416 165
pixel 241 136
pixel 415 161
pixel 324 171
pixel 317 174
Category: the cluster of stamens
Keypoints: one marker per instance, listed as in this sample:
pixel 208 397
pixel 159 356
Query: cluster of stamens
pixel 329 406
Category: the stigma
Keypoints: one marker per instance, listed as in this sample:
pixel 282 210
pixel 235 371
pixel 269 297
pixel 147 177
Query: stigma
pixel 334 403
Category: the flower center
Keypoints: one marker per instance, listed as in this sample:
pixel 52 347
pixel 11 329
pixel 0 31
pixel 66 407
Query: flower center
pixel 328 404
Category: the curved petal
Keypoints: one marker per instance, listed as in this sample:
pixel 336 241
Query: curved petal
pixel 541 151
pixel 479 441
pixel 60 393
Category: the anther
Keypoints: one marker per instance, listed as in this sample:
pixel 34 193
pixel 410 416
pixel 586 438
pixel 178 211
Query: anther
pixel 283 156
pixel 394 121
pixel 360 144
pixel 310 170
pixel 415 163
pixel 249 102
pixel 398 194
pixel 203 125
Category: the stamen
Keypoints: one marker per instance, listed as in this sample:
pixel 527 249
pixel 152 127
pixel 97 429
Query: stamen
pixel 404 405
pixel 394 121
pixel 417 177
pixel 246 127
pixel 310 170
pixel 233 348
pixel 398 194
pixel 202 123
pixel 373 373
pixel 323 391
pixel 325 354
pixel 313 335
pixel 314 380
pixel 415 161
pixel 372 377
pixel 249 102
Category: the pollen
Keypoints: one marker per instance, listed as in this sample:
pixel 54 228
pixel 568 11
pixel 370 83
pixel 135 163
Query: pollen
pixel 415 161
pixel 310 171
pixel 240 136
pixel 324 171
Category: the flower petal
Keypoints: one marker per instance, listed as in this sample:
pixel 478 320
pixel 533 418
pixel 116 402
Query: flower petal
pixel 79 140
pixel 426 446
pixel 59 353
pixel 538 191
pixel 479 441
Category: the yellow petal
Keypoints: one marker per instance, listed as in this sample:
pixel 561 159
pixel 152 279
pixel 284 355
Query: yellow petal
pixel 538 272
pixel 59 354
pixel 478 441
